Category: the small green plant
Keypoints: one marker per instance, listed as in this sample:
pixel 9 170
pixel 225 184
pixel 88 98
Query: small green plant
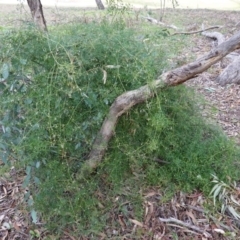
pixel 118 11
pixel 117 6
pixel 226 194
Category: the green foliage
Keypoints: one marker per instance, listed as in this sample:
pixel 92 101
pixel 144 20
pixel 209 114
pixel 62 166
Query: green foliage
pixel 56 90
pixel 172 143
pixel 226 194
pixel 60 80
pixel 117 6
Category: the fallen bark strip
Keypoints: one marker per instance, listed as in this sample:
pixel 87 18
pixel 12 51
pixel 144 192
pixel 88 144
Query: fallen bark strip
pixel 193 32
pixel 127 100
pixel 187 225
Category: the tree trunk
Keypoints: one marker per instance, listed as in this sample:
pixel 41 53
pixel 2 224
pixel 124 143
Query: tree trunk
pixel 100 4
pixel 128 99
pixel 37 13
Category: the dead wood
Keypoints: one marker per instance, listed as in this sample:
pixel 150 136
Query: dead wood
pixel 231 74
pixel 216 221
pixel 198 31
pixel 128 99
pixel 187 225
pixel 155 21
pixel 214 35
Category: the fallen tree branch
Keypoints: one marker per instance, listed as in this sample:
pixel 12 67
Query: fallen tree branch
pixel 193 32
pixel 187 225
pixel 231 74
pixel 215 35
pixel 127 100
pixel 155 21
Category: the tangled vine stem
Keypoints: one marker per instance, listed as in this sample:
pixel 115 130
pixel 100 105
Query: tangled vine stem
pixel 127 100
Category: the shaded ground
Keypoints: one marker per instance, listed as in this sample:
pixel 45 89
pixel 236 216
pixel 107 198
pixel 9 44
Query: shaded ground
pixel 15 221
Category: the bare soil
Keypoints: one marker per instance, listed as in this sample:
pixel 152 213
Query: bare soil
pixel 15 221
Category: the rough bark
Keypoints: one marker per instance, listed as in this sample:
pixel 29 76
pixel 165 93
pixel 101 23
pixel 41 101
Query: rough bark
pixel 128 99
pixel 215 35
pixel 37 14
pixel 100 4
pixel 231 74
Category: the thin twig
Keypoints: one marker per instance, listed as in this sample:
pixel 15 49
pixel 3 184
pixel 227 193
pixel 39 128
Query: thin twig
pixel 195 208
pixel 71 237
pixel 183 229
pixel 24 234
pixel 155 21
pixel 187 225
pixel 198 31
pixel 210 216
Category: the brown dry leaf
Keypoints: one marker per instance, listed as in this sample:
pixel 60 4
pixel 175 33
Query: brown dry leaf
pixel 122 222
pixel 71 237
pixel 5 191
pixel 136 222
pixel 17 225
pixel 102 235
pixel 5 236
pixel 150 194
pixel 148 212
pixel 1 218
pixel 190 214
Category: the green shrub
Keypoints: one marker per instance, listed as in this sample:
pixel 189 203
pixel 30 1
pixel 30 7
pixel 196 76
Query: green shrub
pixel 57 81
pixel 55 93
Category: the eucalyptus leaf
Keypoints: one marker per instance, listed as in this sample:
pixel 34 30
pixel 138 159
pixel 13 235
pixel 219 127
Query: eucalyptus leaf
pixel 28 170
pixel 34 216
pixel 38 164
pixel 4 157
pixel 5 71
pixel 36 180
pixel 26 181
pixel 233 212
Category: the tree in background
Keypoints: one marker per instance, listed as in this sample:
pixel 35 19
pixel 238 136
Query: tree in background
pixel 37 13
pixel 163 7
pixel 100 4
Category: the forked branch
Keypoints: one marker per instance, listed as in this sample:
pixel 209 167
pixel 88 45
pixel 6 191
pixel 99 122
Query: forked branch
pixel 128 99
